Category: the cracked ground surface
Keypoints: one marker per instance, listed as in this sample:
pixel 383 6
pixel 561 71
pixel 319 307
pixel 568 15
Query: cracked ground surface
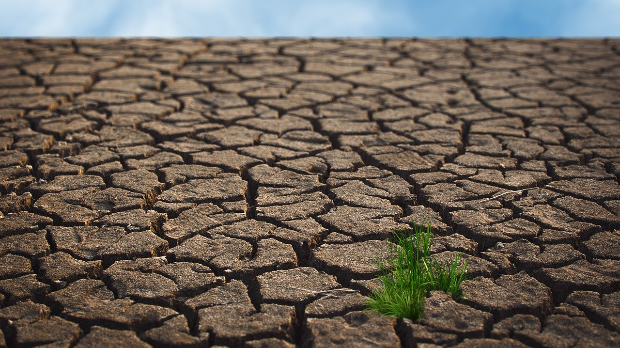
pixel 192 193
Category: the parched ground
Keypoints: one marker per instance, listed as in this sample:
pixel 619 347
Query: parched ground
pixel 192 192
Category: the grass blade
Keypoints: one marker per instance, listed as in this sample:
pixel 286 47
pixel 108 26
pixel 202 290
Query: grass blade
pixel 411 272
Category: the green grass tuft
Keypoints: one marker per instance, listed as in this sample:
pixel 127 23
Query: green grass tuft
pixel 411 272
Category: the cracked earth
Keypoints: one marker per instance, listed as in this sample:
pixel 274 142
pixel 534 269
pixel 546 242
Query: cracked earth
pixel 190 193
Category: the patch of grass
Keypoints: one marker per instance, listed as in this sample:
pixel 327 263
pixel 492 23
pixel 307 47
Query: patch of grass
pixel 411 272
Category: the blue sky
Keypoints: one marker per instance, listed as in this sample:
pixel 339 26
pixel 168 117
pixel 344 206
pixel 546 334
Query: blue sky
pixel 259 18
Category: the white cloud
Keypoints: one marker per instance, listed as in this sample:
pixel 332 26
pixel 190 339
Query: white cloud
pixel 54 18
pixel 257 18
pixel 200 18
pixel 344 18
pixel 592 18
pixel 309 18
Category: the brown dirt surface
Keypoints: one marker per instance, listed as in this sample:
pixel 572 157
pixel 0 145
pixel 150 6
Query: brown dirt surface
pixel 233 192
